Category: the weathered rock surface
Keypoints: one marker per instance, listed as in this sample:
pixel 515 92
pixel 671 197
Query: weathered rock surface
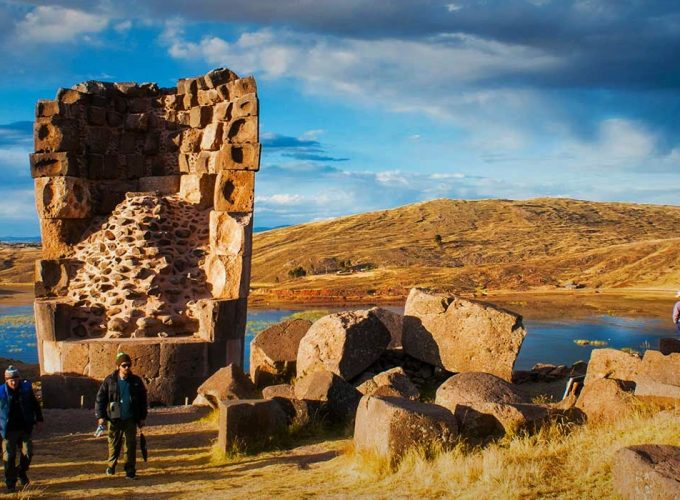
pixel 394 322
pixel 488 405
pixel 227 383
pixel 278 391
pixel 393 382
pixel 344 343
pixel 647 471
pixel 337 398
pixel 459 335
pixel 612 363
pixel 390 426
pixel 658 377
pixel 605 400
pixel 273 352
pixel 669 345
pixel 249 424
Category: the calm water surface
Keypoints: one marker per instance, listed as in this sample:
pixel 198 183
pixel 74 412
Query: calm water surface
pixel 546 341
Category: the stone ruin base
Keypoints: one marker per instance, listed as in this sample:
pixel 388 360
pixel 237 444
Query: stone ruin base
pixel 172 368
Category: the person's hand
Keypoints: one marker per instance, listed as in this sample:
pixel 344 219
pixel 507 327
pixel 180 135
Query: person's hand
pixel 100 421
pixel 142 423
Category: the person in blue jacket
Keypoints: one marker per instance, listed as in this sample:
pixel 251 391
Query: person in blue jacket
pixel 19 413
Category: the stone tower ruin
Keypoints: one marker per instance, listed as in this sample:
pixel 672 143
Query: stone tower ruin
pixel 145 198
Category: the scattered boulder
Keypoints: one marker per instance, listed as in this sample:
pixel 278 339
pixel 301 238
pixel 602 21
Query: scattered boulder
pixel 488 405
pixel 461 336
pixel 658 377
pixel 227 383
pixel 390 426
pixel 669 345
pixel 647 471
pixel 394 322
pixel 392 382
pixel 606 399
pixel 344 343
pixel 612 363
pixel 273 352
pixel 337 398
pixel 299 412
pixel 249 424
pixel 278 391
pixel 419 372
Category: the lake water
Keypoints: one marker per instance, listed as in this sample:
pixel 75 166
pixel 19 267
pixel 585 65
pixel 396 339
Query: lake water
pixel 546 341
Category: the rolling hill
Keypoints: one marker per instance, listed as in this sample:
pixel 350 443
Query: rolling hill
pixel 472 246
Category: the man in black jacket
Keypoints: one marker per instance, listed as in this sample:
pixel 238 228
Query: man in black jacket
pixel 121 401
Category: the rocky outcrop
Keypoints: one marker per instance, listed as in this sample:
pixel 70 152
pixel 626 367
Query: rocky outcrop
pixel 392 382
pixel 249 424
pixel 227 383
pixel 487 405
pixel 612 363
pixel 459 335
pixel 647 471
pixel 278 391
pixel 390 426
pixel 337 399
pixel 344 343
pixel 605 400
pixel 273 352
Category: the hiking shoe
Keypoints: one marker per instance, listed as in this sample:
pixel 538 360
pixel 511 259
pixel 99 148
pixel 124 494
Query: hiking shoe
pixel 110 471
pixel 131 476
pixel 23 480
pixel 11 487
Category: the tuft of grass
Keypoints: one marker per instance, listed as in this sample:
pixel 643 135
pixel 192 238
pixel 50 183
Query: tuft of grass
pixel 311 315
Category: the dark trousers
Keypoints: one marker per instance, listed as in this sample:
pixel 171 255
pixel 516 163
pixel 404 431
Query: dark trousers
pixel 21 440
pixel 123 431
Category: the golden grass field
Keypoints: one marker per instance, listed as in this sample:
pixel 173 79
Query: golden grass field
pixel 559 462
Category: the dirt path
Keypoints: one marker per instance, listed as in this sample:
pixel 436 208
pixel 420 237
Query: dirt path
pixel 70 462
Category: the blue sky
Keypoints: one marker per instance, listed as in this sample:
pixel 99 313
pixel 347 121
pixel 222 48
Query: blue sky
pixel 368 105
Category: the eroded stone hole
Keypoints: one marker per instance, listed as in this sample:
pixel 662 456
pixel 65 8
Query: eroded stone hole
pixel 236 128
pixel 237 154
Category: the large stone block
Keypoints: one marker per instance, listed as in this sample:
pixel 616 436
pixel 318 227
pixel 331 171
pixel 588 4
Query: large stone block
pixel 185 356
pixel 227 383
pixel 200 116
pixel 390 426
pixel 612 363
pixel 249 425
pixel 273 352
pixel 234 191
pixel 238 157
pixel 191 140
pixel 46 108
pixel 164 184
pixel 212 137
pixel 102 358
pixel 75 357
pixel 63 198
pixel 52 320
pixel 648 471
pixel 54 164
pixel 669 345
pixel 145 356
pixel 337 399
pixel 235 351
pixel 344 343
pixel 221 319
pixel 198 189
pixel 228 276
pixel 660 368
pixel 51 357
pixel 245 106
pixel 242 131
pixel 392 382
pixel 56 134
pixel 68 391
pixel 242 86
pixel 231 233
pixel 51 277
pixel 394 322
pixel 605 400
pixel 459 335
pixel 59 235
pixel 219 76
pixel 104 166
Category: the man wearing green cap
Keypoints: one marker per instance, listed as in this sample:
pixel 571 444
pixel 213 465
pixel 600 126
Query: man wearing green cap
pixel 19 413
pixel 121 401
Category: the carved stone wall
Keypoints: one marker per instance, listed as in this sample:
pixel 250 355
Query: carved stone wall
pixel 145 198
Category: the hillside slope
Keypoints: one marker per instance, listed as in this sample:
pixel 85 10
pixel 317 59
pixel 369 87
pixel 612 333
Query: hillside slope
pixel 470 246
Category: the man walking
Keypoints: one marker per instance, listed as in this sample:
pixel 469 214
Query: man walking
pixel 121 401
pixel 676 312
pixel 19 412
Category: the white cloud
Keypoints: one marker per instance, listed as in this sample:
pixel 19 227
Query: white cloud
pixel 54 24
pixel 17 205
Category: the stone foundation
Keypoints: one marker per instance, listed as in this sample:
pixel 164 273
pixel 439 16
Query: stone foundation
pixel 145 198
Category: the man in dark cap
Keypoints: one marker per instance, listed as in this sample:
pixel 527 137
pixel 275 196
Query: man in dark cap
pixel 19 412
pixel 121 401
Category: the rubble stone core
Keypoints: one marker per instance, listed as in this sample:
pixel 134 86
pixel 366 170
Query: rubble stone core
pixel 145 198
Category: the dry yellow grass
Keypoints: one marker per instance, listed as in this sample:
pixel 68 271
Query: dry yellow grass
pixel 559 462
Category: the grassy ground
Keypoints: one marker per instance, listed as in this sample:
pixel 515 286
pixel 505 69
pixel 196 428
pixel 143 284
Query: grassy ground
pixel 560 462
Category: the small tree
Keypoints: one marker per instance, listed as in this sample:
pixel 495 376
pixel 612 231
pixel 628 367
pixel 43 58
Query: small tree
pixel 297 272
pixel 438 239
